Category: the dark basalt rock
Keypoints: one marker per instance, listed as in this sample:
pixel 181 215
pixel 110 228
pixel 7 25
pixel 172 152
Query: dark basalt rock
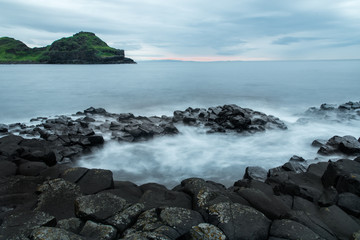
pixel 32 168
pixel 126 190
pixel 348 145
pixel 126 218
pixel 93 230
pixel 52 233
pixel 255 173
pixel 339 222
pixel 269 205
pixel 57 198
pixel 206 231
pixel 4 128
pixel 332 112
pixel 96 180
pixel 344 175
pixel 228 118
pixel 289 229
pixel 238 221
pixel 20 226
pixel 98 207
pixel 73 225
pixel 350 203
pixel 7 168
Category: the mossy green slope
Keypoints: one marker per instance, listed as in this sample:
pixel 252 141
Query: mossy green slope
pixel 81 48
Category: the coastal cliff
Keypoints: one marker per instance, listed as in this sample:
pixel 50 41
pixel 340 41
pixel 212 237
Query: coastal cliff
pixel 81 48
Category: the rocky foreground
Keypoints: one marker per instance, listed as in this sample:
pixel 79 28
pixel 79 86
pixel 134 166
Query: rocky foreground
pixel 44 197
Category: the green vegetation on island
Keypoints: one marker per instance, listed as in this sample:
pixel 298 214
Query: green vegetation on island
pixel 81 48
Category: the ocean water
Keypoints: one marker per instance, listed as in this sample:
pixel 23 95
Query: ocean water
pixel 282 89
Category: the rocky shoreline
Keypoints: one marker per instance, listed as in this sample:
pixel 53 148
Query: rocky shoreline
pixel 43 196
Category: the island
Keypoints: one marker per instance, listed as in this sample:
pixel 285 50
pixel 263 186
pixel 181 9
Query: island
pixel 81 48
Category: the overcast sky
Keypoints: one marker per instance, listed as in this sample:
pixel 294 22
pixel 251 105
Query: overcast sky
pixel 195 29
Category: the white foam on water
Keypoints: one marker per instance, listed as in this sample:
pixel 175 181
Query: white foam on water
pixel 218 157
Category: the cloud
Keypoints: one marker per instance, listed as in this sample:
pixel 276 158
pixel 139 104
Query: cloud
pixel 248 28
pixel 290 40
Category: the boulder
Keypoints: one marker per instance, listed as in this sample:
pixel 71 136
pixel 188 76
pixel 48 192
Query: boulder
pixel 20 225
pixel 180 219
pixel 318 169
pixel 205 231
pixel 313 222
pixel 291 230
pixel 269 205
pixel 96 180
pixel 238 221
pixel 347 145
pixel 344 175
pixel 339 222
pixel 51 233
pixel 74 174
pixel 9 146
pixel 7 168
pixel 255 173
pixel 350 203
pixel 153 198
pixel 98 207
pixel 264 187
pixel 32 168
pixel 92 110
pixel 73 225
pixel 57 198
pixel 125 218
pixel 4 128
pixel 38 151
pixel 126 190
pixel 92 230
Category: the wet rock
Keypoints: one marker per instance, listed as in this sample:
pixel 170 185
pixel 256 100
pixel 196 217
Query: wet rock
pixel 328 197
pixel 347 145
pixel 269 205
pixel 344 175
pixel 92 110
pixel 126 190
pixel 38 151
pixel 228 118
pixel 98 207
pixel 289 229
pixel 127 217
pixel 22 224
pixel 7 168
pixel 313 222
pixel 153 198
pixel 9 146
pixel 255 173
pixel 238 221
pixel 125 116
pixel 339 222
pixel 318 169
pixel 74 174
pixel 265 188
pixel 51 233
pixel 350 203
pixel 57 198
pixel 318 143
pixel 4 128
pixel 92 230
pixel 32 168
pixel 305 185
pixel 96 180
pixel 55 171
pixel 180 219
pixel 205 231
pixel 73 225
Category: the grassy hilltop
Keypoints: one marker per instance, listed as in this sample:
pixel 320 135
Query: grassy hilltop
pixel 81 48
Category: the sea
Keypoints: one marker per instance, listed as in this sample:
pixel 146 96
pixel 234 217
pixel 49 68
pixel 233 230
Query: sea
pixel 285 89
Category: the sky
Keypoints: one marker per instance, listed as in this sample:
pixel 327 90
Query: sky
pixel 197 30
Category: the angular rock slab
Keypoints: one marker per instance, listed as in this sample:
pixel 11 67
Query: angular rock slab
pixel 291 230
pixel 22 224
pixel 51 233
pixel 96 180
pixel 344 175
pixel 205 231
pixel 98 207
pixel 350 203
pixel 92 230
pixel 124 219
pixel 58 197
pixel 180 219
pixel 238 221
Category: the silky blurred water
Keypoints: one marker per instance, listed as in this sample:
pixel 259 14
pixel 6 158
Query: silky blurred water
pixel 283 89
